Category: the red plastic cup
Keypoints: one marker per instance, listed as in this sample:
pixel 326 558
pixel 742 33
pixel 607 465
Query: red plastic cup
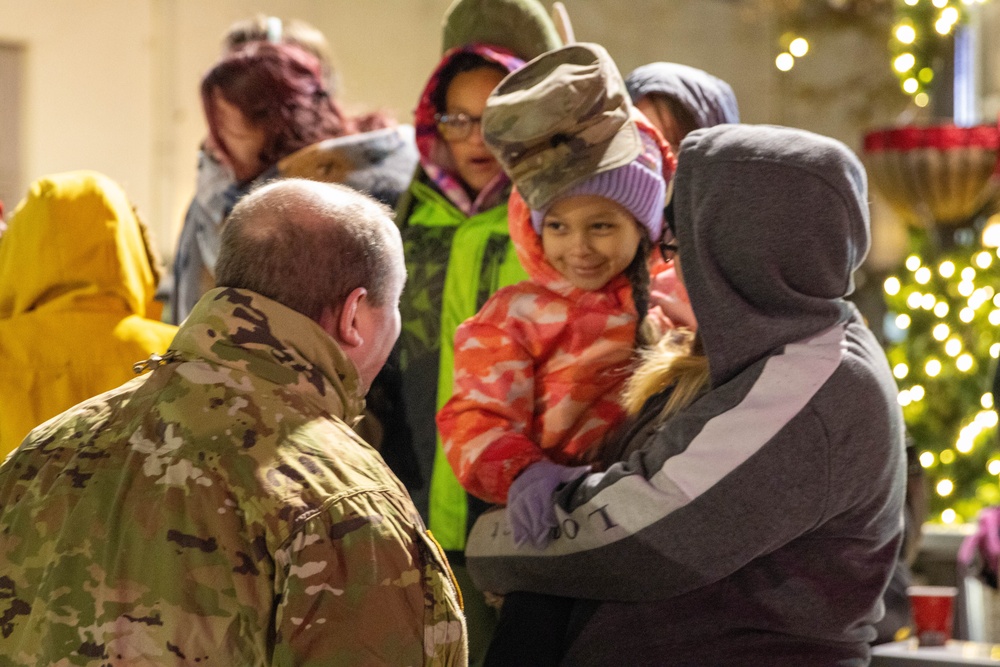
pixel 933 612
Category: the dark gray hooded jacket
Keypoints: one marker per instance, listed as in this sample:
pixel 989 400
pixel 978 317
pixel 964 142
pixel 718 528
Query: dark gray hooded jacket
pixel 709 99
pixel 760 525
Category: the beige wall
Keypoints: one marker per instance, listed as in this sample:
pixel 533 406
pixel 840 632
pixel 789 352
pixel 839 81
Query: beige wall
pixel 86 99
pixel 11 70
pixel 112 84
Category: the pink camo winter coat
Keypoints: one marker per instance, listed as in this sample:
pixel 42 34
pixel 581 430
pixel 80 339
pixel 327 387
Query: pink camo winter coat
pixel 538 370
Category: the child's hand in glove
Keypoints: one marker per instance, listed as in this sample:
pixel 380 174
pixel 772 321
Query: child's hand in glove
pixel 530 505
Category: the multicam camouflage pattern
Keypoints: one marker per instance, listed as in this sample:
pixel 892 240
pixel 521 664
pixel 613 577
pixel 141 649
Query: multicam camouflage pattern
pixel 219 510
pixel 564 117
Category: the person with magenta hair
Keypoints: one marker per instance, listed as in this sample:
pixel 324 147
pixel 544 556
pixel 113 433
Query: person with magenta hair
pixel 198 245
pixel 270 114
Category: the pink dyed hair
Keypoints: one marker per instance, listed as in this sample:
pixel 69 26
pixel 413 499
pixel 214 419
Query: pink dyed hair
pixel 280 88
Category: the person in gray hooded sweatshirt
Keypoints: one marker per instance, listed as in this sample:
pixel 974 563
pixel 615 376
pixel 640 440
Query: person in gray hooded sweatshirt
pixel 679 99
pixel 760 525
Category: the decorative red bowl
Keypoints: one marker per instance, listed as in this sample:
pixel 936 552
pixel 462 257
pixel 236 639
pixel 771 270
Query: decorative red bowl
pixel 940 174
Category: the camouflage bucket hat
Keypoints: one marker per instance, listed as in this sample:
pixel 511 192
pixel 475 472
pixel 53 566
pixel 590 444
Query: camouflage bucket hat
pixel 562 118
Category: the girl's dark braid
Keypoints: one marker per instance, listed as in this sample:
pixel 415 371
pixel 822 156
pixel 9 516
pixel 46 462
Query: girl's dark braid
pixel 638 275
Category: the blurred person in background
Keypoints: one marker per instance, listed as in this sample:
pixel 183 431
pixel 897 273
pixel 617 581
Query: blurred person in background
pixel 265 28
pixel 271 109
pixel 78 278
pixel 198 245
pixel 678 99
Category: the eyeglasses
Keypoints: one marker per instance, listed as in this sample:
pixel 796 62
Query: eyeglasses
pixel 668 251
pixel 456 126
pixel 668 215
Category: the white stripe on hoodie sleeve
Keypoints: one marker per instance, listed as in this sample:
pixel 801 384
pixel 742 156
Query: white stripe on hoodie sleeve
pixel 628 504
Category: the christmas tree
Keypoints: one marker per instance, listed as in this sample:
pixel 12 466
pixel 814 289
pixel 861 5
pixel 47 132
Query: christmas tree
pixel 944 303
pixel 945 318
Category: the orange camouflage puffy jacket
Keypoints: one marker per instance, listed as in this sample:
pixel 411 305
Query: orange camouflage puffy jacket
pixel 539 370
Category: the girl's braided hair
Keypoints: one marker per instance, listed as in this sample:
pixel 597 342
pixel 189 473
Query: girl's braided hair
pixel 637 273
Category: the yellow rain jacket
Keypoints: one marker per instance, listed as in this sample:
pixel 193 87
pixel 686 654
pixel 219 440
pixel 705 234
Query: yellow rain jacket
pixel 76 300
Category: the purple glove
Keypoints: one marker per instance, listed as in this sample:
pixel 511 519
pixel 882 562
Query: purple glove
pixel 530 506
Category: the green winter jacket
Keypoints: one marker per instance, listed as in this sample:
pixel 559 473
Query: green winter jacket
pixel 454 263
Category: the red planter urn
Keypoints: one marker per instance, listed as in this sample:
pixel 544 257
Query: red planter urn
pixel 935 175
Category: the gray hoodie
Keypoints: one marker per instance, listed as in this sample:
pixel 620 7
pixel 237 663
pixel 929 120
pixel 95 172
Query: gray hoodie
pixel 709 99
pixel 761 524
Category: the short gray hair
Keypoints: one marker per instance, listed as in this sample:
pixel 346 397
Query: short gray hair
pixel 308 245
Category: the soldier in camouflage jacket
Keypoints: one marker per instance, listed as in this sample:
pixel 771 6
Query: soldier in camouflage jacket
pixel 220 510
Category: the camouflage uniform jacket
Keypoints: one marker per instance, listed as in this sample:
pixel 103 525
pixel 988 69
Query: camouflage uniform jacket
pixel 220 511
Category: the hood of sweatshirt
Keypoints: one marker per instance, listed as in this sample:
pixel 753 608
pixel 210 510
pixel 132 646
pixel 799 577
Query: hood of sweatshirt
pixel 523 27
pixel 709 99
pixel 75 236
pixel 771 223
pixel 435 158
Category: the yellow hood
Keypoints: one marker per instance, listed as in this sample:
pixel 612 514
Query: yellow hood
pixel 75 236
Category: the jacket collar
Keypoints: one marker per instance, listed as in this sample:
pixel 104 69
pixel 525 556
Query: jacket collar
pixel 246 331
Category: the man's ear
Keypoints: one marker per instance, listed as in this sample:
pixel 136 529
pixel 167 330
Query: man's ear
pixel 344 327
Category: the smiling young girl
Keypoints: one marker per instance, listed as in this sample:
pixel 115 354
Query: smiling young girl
pixel 538 371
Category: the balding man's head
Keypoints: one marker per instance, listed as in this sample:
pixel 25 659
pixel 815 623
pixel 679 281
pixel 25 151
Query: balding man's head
pixel 308 245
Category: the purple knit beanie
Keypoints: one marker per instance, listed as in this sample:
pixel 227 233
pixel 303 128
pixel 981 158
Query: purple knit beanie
pixel 637 186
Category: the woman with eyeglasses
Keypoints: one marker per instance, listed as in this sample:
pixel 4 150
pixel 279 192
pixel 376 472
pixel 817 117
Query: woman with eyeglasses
pixel 453 220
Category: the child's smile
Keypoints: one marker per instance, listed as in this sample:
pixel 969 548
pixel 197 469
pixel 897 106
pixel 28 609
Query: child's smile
pixel 589 239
